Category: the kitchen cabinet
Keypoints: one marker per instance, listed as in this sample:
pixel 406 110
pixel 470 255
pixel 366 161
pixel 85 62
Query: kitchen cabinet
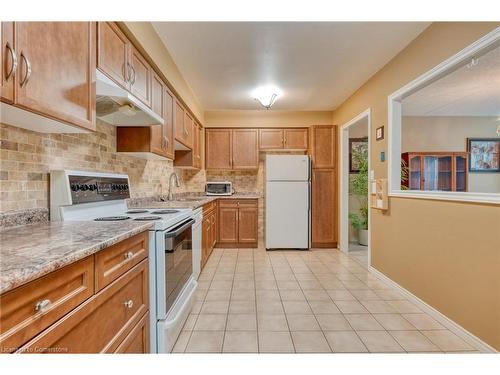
pixel 197 129
pixel 293 139
pixel 238 223
pixel 183 125
pixel 218 149
pixel 190 159
pixel 245 149
pixel 97 304
pixel 48 68
pixel 324 206
pixel 140 76
pixel 188 129
pixel 158 106
pixel 209 231
pixel 231 149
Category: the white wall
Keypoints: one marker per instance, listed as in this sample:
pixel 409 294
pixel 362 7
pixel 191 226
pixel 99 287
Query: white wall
pixel 450 134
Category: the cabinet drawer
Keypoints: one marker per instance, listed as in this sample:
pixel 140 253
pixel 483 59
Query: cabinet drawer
pixel 228 203
pixel 137 341
pixel 101 323
pixel 114 261
pixel 22 315
pixel 248 203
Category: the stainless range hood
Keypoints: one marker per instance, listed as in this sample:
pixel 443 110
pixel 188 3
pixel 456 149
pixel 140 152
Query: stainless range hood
pixel 118 107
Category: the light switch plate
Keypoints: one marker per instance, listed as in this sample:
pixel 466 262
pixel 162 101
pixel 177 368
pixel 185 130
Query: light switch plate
pixel 372 174
pixel 382 156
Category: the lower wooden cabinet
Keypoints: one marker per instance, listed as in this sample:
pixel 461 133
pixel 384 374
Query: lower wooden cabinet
pixel 323 208
pixel 209 231
pixel 66 311
pixel 238 223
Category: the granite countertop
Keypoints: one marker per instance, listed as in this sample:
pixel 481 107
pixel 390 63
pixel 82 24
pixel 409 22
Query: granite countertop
pixel 192 201
pixel 30 251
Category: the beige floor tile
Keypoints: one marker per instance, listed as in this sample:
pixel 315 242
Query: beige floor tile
pixel 302 322
pixel 240 342
pixel 243 295
pixel 394 322
pixel 205 342
pixel 266 285
pixel 308 276
pixel 242 307
pixel 288 285
pixel 351 307
pixel 241 322
pixel 379 342
pixel 200 294
pixel 270 307
pixel 196 308
pixel 355 285
pixel 272 322
pixel 414 341
pixel 310 285
pixel 268 295
pixel 240 276
pixel 317 295
pixel 203 285
pixel 223 277
pixel 345 342
pixel 333 285
pixel 378 307
pixel 341 295
pixel 285 277
pixel 210 322
pixel 275 342
pixel 221 285
pixel 363 322
pixel 190 321
pixel 243 285
pixel 423 322
pixel 296 307
pixel 292 295
pixel 182 341
pixel 323 307
pixel 389 295
pixel 215 307
pixel 404 307
pixel 365 295
pixel 310 342
pixel 218 295
pixel 333 322
pixel 447 341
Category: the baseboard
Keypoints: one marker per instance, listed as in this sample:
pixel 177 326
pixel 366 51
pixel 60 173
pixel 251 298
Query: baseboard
pixel 457 329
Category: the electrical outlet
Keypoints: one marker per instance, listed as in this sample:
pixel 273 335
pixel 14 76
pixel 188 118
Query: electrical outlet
pixel 382 156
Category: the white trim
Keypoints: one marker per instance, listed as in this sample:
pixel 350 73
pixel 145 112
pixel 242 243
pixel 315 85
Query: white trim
pixel 344 182
pixel 394 127
pixel 454 327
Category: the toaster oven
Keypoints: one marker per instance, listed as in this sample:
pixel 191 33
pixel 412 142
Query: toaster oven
pixel 219 188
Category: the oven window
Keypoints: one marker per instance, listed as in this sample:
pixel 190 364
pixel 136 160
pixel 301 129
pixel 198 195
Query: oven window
pixel 178 266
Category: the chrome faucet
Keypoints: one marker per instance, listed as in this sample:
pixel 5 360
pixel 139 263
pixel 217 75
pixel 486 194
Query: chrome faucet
pixel 172 175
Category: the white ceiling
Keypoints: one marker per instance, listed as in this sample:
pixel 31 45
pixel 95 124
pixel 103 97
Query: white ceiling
pixel 473 91
pixel 317 65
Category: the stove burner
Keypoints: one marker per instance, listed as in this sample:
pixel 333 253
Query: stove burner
pixel 139 211
pixel 112 218
pixel 162 212
pixel 147 218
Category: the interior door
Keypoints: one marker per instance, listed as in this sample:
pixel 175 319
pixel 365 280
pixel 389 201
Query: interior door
pixel 56 72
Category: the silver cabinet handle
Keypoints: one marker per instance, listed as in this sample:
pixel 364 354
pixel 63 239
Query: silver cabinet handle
pixel 42 305
pixel 27 76
pixel 128 304
pixel 13 55
pixel 128 255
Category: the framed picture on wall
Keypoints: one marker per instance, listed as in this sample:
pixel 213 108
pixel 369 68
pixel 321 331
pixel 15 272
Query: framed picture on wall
pixel 484 154
pixel 379 133
pixel 356 145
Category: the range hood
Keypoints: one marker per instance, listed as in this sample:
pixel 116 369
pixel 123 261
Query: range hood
pixel 118 107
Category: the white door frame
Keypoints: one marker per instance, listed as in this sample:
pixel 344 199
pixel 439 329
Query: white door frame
pixel 344 181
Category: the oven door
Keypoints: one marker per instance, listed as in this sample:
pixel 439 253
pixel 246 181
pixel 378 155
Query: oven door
pixel 174 264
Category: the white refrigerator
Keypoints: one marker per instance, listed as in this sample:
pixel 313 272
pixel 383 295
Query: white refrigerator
pixel 287 200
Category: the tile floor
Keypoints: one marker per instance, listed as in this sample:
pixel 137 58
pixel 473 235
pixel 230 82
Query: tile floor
pixel 320 301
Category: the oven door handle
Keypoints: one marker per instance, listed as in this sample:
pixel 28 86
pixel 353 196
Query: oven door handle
pixel 178 230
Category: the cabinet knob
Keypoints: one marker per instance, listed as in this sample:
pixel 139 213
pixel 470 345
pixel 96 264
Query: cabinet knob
pixel 42 305
pixel 128 255
pixel 128 304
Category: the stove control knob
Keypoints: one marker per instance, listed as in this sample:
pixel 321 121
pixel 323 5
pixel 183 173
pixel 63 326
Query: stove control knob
pixel 84 187
pixel 74 187
pixel 92 187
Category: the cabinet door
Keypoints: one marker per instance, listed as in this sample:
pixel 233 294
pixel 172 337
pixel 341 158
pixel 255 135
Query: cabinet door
pixel 168 126
pixel 295 139
pixel 323 210
pixel 8 62
pixel 137 341
pixel 196 146
pixel 205 239
pixel 112 52
pixel 213 228
pixel 270 139
pixel 140 77
pixel 56 72
pixel 228 225
pixel 324 146
pixel 180 130
pixel 460 173
pixel 188 130
pixel 157 105
pixel 415 172
pixel 218 149
pixel 247 224
pixel 245 149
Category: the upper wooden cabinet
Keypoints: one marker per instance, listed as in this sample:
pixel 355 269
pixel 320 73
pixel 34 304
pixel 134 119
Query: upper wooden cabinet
pixel 158 106
pixel 49 68
pixel 218 148
pixel 190 159
pixel 283 139
pixel 245 151
pixel 324 146
pixel 140 77
pixel 168 125
pixel 197 145
pixel 188 129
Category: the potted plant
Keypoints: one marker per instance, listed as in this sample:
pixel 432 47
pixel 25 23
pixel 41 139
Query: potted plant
pixel 359 188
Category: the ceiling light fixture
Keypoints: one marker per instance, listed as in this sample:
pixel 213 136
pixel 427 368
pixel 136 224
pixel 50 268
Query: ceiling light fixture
pixel 266 95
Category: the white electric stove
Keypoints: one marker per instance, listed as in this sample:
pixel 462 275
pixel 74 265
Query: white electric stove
pixel 90 196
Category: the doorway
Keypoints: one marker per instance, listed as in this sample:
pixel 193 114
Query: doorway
pixel 355 170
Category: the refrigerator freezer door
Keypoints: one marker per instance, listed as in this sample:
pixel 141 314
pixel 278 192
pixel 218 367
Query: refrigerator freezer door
pixel 287 167
pixel 287 215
